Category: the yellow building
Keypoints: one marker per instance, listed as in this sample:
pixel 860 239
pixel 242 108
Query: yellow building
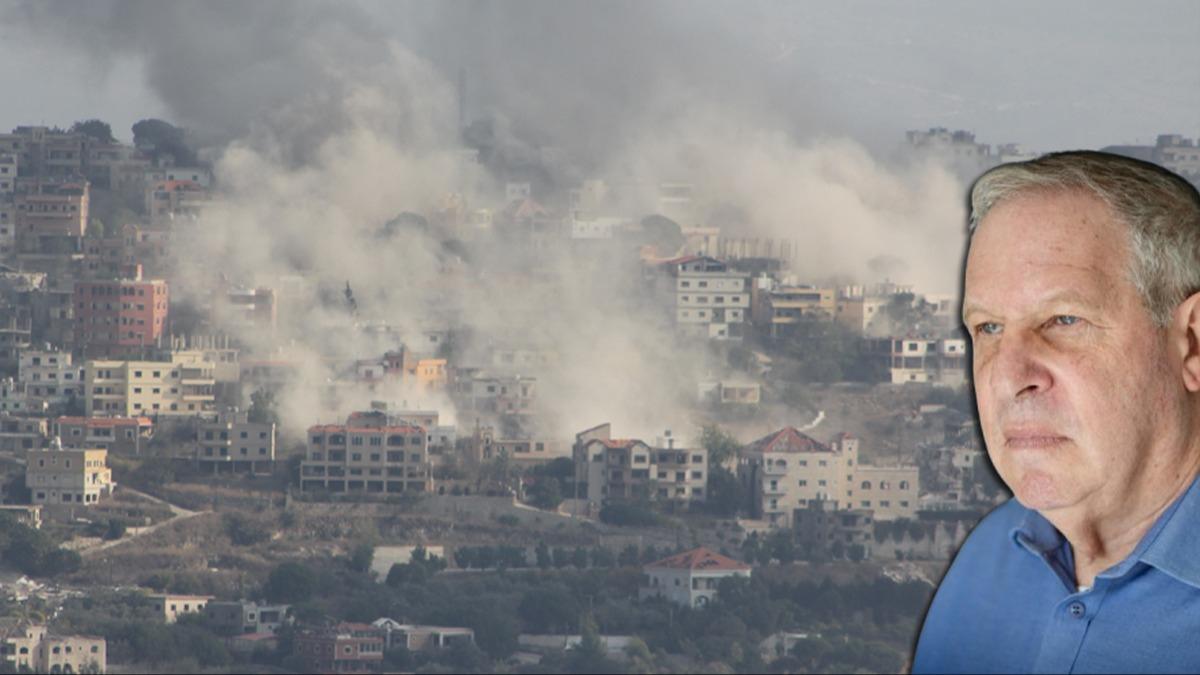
pixel 862 314
pixel 170 607
pixel 779 309
pixel 182 386
pixel 431 373
pixel 29 648
pixel 56 476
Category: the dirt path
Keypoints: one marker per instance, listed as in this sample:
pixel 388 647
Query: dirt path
pixel 178 513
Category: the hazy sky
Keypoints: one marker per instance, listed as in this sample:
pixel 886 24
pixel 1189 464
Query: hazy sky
pixel 1047 75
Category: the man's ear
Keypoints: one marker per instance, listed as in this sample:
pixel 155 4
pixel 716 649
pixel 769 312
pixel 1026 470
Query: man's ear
pixel 1187 331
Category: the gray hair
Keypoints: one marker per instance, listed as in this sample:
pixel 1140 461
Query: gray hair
pixel 1160 209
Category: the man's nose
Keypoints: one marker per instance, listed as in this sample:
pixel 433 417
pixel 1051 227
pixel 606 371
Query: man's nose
pixel 1019 366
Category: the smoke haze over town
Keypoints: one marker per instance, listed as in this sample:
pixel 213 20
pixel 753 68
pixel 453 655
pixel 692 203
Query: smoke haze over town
pixel 543 244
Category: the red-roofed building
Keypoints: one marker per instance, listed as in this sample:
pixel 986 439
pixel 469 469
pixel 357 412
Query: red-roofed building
pixel 785 470
pixel 362 456
pixel 689 578
pixel 615 468
pixel 788 470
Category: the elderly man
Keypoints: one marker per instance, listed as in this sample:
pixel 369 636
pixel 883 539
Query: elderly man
pixel 1082 298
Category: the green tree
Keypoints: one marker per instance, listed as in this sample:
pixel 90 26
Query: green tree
pixel 546 494
pixel 544 558
pixel 590 655
pixel 629 556
pixel 115 530
pixel 361 557
pixel 664 234
pixel 550 609
pixel 720 445
pixel 602 557
pixel 161 138
pixel 290 582
pixel 96 228
pixel 95 129
pixel 263 408
pixel 726 494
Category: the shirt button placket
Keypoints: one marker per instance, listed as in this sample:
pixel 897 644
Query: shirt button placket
pixel 1077 610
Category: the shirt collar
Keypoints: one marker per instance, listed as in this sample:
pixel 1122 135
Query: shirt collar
pixel 1170 545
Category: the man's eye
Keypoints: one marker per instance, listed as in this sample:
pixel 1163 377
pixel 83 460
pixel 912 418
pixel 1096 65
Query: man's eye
pixel 1065 320
pixel 987 328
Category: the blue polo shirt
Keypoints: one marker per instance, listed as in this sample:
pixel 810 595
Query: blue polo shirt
pixel 1009 603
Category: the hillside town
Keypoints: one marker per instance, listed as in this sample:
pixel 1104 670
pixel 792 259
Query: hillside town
pixel 212 466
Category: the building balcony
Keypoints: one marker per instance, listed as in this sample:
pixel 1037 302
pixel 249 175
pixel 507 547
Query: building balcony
pixel 197 381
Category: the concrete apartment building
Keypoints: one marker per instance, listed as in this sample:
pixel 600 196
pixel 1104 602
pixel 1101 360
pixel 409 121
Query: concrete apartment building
pixel 627 468
pixel 344 648
pixel 1173 151
pixel 503 394
pixel 168 607
pixel 788 470
pixel 15 399
pixel 50 375
pixel 33 649
pixel 8 223
pixel 55 476
pixel 175 198
pixel 778 309
pixel 16 333
pixel 19 433
pixel 180 387
pixel 890 491
pixel 690 578
pixel 863 314
pixel 235 442
pixel 29 515
pixel 923 360
pixel 51 215
pixel 43 151
pixel 819 527
pixel 414 637
pixel 238 616
pixel 120 318
pixel 117 435
pixel 382 459
pixel 706 297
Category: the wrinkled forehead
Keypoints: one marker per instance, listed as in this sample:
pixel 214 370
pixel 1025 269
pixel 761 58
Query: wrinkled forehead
pixel 1046 242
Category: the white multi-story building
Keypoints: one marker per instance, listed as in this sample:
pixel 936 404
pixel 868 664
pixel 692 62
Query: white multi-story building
pixel 890 491
pixel 366 456
pixel 690 578
pixel 787 470
pixel 939 361
pixel 707 298
pixel 182 386
pixel 57 476
pixel 14 398
pixel 235 442
pixel 627 468
pixel 50 376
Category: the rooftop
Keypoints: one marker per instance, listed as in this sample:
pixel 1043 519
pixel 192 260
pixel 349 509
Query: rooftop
pixel 788 439
pixel 699 559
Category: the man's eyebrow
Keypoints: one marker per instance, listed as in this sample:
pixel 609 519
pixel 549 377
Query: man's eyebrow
pixel 1067 296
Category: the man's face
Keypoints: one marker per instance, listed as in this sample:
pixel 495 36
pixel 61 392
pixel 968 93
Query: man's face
pixel 1068 365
